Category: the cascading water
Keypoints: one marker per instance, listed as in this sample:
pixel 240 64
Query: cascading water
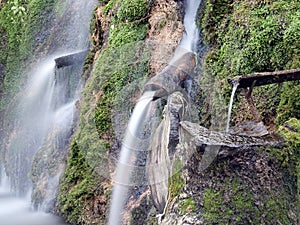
pixel 132 142
pixel 191 35
pixel 34 118
pixel 42 125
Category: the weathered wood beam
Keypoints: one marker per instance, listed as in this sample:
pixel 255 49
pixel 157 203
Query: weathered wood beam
pixel 259 79
pixel 71 59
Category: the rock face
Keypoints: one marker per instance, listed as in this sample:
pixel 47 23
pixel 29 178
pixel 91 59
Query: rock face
pixel 2 73
pixel 166 29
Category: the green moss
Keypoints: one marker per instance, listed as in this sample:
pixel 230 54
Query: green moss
pixel 117 67
pixel 245 37
pixel 232 209
pixel 290 130
pixel 126 33
pixel 188 206
pixel 109 6
pixel 161 24
pixel 22 21
pixel 79 184
pixel 3 45
pixel 235 204
pixel 289 105
pixel 132 10
pixel 215 18
pixel 176 182
pixel 116 70
pixel 290 154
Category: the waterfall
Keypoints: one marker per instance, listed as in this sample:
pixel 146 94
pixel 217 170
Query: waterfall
pixel 156 88
pixel 15 210
pixel 43 121
pixel 34 118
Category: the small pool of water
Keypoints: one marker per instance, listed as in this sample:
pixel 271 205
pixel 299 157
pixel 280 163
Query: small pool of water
pixel 18 211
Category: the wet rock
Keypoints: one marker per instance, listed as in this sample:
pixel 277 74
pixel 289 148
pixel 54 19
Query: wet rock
pixel 202 136
pixel 163 147
pixel 250 128
pixel 166 29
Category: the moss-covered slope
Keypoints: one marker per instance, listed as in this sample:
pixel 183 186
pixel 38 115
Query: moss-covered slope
pixel 260 187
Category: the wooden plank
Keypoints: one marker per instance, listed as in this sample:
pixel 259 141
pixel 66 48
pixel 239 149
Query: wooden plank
pixel 259 79
pixel 71 59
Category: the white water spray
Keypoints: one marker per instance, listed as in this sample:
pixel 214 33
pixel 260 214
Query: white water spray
pixel 14 211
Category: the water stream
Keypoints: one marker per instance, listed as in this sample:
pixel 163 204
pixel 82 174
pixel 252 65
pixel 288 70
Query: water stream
pixel 129 152
pixel 133 141
pixel 234 88
pixel 191 35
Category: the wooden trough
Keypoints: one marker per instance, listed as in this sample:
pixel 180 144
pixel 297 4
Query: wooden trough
pixel 71 59
pixel 259 79
pixel 171 78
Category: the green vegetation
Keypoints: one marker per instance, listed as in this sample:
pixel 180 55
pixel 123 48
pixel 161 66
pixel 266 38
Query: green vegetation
pixel 289 105
pixel 252 36
pixel 238 205
pixel 188 205
pixel 127 33
pixel 132 10
pixel 290 130
pixel 114 76
pixel 289 155
pixel 21 20
pixel 176 182
pixel 79 183
pixel 245 37
pixel 12 21
pixel 117 66
pixel 111 4
pixel 235 204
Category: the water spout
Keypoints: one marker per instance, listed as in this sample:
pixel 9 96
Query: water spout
pixel 130 148
pixel 234 88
